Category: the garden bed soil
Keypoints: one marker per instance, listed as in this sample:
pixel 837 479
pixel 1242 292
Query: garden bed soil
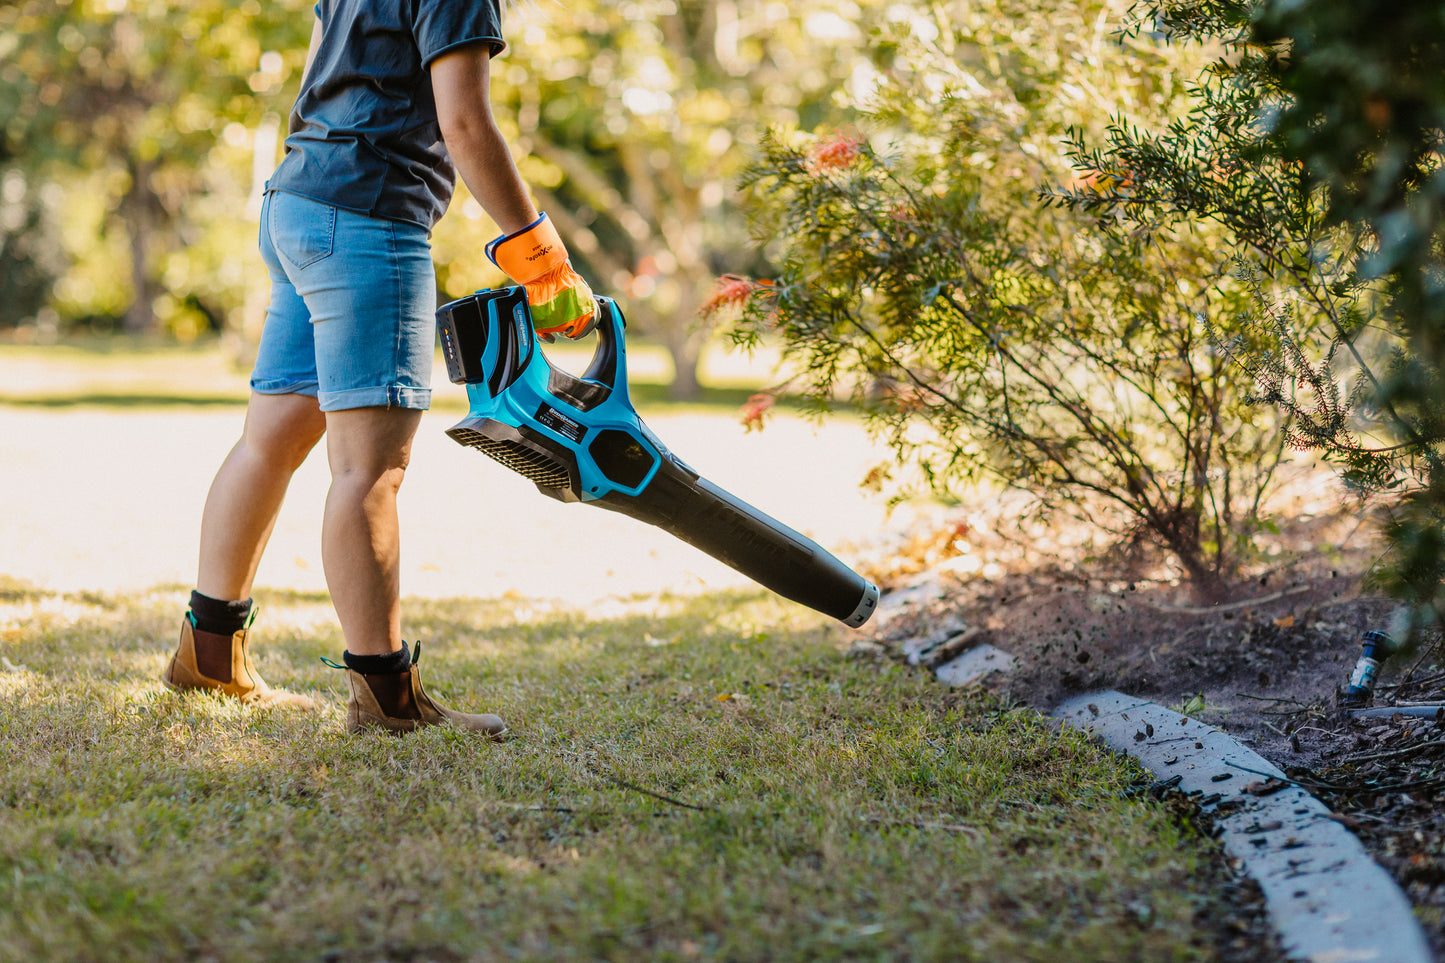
pixel 1265 663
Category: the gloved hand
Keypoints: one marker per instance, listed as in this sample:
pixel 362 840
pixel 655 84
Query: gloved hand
pixel 535 258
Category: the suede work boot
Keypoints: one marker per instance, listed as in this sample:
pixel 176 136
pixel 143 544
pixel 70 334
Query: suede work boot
pixel 222 664
pixel 395 702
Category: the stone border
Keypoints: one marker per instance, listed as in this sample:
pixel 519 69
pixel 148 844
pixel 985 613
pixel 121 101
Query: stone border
pixel 1327 897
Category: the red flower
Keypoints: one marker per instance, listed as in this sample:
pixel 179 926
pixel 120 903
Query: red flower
pixel 838 152
pixel 752 412
pixel 730 291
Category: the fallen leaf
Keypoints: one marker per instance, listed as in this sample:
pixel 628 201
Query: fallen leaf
pixel 1268 787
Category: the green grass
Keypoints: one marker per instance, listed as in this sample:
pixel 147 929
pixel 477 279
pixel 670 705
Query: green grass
pixel 118 372
pixel 709 779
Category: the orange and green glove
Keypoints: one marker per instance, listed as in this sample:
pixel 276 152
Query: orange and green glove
pixel 535 258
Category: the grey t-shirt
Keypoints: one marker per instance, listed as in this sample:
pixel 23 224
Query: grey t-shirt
pixel 364 132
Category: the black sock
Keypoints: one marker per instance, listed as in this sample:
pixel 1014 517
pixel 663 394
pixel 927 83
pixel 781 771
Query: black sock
pixel 393 663
pixel 218 616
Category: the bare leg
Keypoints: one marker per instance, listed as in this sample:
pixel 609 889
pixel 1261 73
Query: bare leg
pixel 246 496
pixel 368 450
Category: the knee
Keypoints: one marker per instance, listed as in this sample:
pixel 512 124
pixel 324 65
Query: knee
pixel 285 441
pixel 369 475
pixel 370 448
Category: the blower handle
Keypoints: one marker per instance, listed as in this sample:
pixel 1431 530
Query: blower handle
pixel 487 337
pixel 606 375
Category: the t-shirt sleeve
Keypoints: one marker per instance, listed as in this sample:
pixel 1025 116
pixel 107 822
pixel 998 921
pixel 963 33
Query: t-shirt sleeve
pixel 443 25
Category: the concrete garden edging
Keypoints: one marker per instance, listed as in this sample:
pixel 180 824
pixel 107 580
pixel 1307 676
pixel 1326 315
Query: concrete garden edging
pixel 1327 898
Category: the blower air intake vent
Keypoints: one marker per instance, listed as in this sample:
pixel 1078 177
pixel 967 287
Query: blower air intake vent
pixel 534 466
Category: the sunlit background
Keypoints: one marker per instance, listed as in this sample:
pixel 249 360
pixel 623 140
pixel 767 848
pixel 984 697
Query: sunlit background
pixel 138 135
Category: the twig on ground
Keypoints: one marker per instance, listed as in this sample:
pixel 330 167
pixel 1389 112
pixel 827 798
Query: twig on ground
pixel 1230 607
pixel 1328 732
pixel 1246 695
pixel 1409 676
pixel 1413 683
pixel 655 795
pixel 1393 753
pixel 1256 772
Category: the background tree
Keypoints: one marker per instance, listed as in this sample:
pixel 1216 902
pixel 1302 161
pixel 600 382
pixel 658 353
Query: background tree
pixel 1014 342
pixel 125 102
pixel 30 251
pixel 629 121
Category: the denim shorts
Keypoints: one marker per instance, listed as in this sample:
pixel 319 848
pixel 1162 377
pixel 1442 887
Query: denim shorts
pixel 352 317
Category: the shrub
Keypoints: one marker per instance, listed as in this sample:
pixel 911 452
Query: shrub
pixel 1314 140
pixel 988 336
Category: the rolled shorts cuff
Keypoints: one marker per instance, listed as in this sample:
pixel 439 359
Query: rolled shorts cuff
pixel 275 386
pixel 384 396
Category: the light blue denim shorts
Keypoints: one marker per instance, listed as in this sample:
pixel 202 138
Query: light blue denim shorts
pixel 352 317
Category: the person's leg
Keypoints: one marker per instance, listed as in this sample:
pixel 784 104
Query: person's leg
pixel 368 450
pixel 241 510
pixel 373 304
pixel 283 423
pixel 246 495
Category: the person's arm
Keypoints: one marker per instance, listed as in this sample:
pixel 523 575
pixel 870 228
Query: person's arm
pixel 530 250
pixel 461 81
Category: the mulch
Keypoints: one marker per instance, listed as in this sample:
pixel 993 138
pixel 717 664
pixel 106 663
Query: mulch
pixel 1266 664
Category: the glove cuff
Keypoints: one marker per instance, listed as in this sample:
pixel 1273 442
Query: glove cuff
pixel 529 253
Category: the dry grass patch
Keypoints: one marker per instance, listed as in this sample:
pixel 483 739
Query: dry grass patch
pixel 715 781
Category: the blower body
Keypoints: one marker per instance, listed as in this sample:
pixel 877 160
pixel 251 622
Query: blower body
pixel 580 440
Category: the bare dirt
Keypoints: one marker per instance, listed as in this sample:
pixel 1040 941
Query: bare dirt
pixel 1263 664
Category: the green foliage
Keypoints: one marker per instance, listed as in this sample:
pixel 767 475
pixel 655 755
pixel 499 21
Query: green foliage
pixel 138 106
pixel 1365 118
pixel 988 337
pixel 629 120
pixel 1314 139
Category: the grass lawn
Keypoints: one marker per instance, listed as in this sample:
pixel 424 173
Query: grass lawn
pixel 119 373
pixel 708 779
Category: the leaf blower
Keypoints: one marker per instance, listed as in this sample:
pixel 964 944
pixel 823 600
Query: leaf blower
pixel 580 440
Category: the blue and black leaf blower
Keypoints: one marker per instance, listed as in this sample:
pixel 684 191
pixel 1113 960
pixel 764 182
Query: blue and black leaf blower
pixel 580 440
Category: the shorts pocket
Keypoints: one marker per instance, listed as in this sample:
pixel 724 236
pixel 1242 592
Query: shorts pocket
pixel 302 231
